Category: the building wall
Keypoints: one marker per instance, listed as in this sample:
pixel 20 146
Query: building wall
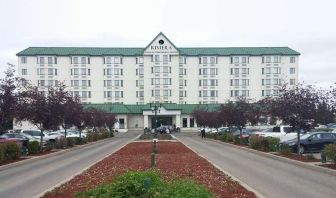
pixel 192 78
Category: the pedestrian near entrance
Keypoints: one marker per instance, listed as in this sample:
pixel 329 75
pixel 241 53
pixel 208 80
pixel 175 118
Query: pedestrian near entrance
pixel 203 133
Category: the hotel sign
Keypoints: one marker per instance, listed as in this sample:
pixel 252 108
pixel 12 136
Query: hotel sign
pixel 161 46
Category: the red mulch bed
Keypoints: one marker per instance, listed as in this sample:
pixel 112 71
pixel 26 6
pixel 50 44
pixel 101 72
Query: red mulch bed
pixel 43 153
pixel 331 166
pixel 174 160
pixel 301 158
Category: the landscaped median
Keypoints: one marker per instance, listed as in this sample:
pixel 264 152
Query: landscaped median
pixel 270 146
pixel 11 152
pixel 175 164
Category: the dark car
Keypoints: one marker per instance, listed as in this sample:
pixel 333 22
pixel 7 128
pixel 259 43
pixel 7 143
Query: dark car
pixel 312 142
pixel 20 138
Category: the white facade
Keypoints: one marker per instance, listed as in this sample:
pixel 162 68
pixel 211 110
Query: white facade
pixel 161 72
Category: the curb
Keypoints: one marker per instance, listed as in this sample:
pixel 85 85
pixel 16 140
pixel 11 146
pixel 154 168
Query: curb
pixel 246 186
pixel 34 158
pixel 77 173
pixel 280 158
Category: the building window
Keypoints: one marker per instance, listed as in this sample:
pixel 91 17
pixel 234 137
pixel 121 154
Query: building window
pixel 23 60
pixel 117 60
pixel 244 60
pixel 276 59
pixel 24 71
pixel 50 60
pixel 292 70
pixel 184 122
pixel 108 60
pixel 182 60
pixel 292 59
pixel 204 60
pixel 245 93
pixel 212 60
pixel 236 60
pixel 139 60
pixel 157 58
pixel 83 60
pixel 165 58
pixel 268 59
pixel 75 60
pixel 213 93
pixel 156 69
pixel 292 81
pixel 41 60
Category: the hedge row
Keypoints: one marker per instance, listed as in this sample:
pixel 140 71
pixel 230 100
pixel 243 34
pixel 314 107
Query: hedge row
pixel 9 151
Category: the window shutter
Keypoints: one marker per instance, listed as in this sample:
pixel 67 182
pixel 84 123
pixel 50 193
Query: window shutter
pixel 70 60
pixel 200 60
pixel 136 83
pixel 121 72
pixel 136 71
pixel 121 60
pixel 37 60
pixel 262 61
pixel 55 72
pixel 89 60
pixel 231 60
pixel 216 60
pixel 104 61
pixel 216 71
pixel 200 71
pixel 248 59
pixel 55 60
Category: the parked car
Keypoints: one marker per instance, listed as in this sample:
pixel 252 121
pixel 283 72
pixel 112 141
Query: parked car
pixel 14 137
pixel 282 132
pixel 37 134
pixel 313 142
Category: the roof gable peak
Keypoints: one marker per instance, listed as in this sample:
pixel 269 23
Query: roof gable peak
pixel 161 44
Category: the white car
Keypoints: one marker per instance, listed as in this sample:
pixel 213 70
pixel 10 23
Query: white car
pixel 282 132
pixel 37 134
pixel 70 133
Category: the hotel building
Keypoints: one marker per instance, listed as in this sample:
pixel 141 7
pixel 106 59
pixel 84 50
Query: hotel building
pixel 126 80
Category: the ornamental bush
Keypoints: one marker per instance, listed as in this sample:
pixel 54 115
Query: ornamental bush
pixel 33 147
pixel 12 150
pixel 330 152
pixel 70 141
pixel 2 152
pixel 147 184
pixel 255 142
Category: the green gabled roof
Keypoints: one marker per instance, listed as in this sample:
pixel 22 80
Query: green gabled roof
pixel 229 51
pixel 89 51
pixel 215 51
pixel 138 109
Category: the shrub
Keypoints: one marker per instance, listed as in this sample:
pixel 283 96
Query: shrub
pixel 330 152
pixel 12 151
pixel 61 143
pixel 272 144
pixel 70 141
pixel 147 184
pixel 268 144
pixel 33 147
pixel 255 141
pixel 49 146
pixel 285 150
pixel 236 139
pixel 2 152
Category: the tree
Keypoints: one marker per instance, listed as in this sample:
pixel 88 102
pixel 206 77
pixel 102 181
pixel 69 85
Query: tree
pixel 71 113
pixel 110 120
pixel 8 99
pixel 200 114
pixel 296 107
pixel 42 109
pixel 239 113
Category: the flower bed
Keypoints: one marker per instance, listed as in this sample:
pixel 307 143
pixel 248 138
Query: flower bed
pixel 297 157
pixel 174 160
pixel 331 166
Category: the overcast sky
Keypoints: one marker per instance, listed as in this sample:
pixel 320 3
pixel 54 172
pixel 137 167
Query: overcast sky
pixel 308 26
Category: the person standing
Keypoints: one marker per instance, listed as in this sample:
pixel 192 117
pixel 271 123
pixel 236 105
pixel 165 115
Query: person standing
pixel 203 133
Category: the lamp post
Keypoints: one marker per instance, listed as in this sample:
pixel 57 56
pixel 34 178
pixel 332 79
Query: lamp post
pixel 155 107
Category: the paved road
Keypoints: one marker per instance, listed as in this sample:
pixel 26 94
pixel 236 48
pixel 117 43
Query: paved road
pixel 270 177
pixel 31 179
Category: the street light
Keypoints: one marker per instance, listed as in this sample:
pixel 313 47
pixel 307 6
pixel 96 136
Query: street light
pixel 155 107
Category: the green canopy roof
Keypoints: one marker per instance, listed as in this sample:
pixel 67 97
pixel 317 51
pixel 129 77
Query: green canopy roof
pixel 196 51
pixel 138 109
